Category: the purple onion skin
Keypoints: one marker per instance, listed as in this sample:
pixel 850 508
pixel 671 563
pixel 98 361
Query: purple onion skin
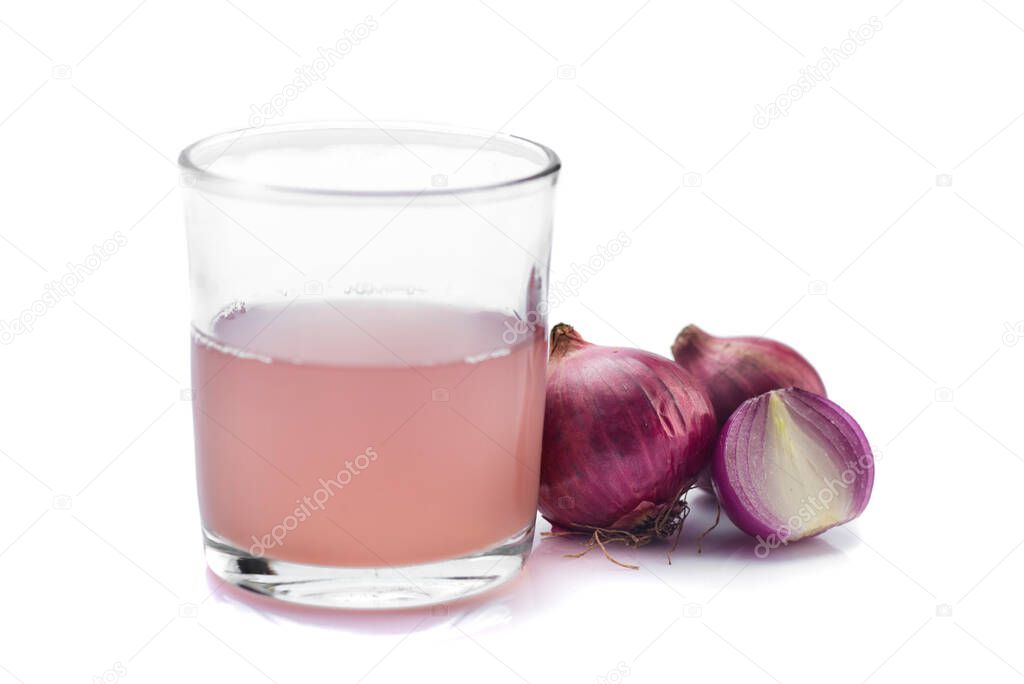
pixel 624 432
pixel 747 484
pixel 734 369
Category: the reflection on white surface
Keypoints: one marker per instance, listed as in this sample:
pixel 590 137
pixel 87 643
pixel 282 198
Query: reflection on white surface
pixel 551 578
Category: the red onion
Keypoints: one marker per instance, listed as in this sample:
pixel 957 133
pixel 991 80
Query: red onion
pixel 734 369
pixel 790 464
pixel 625 434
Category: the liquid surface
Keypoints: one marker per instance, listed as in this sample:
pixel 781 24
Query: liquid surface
pixel 367 433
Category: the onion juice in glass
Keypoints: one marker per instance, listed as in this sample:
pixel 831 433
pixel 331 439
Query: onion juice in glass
pixel 368 357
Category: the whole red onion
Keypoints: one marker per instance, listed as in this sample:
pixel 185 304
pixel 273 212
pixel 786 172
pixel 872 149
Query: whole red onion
pixel 625 434
pixel 790 464
pixel 734 369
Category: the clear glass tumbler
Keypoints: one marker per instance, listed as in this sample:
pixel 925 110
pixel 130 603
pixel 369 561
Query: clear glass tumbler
pixel 368 357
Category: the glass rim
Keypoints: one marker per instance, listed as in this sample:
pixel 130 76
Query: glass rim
pixel 187 158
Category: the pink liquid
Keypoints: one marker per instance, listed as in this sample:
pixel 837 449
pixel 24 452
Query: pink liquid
pixel 359 433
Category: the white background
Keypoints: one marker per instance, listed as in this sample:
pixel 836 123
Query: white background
pixel 828 229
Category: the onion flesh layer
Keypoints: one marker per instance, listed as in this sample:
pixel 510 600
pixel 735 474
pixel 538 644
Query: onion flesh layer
pixel 791 464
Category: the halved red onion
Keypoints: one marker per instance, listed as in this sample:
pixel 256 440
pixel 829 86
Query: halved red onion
pixel 625 434
pixel 790 464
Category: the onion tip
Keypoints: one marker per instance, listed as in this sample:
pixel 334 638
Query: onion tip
pixel 564 340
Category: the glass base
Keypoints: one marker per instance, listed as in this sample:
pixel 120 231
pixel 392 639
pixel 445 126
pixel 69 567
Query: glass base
pixel 404 586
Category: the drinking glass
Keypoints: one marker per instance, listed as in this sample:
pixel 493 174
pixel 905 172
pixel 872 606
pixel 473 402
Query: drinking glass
pixel 368 357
